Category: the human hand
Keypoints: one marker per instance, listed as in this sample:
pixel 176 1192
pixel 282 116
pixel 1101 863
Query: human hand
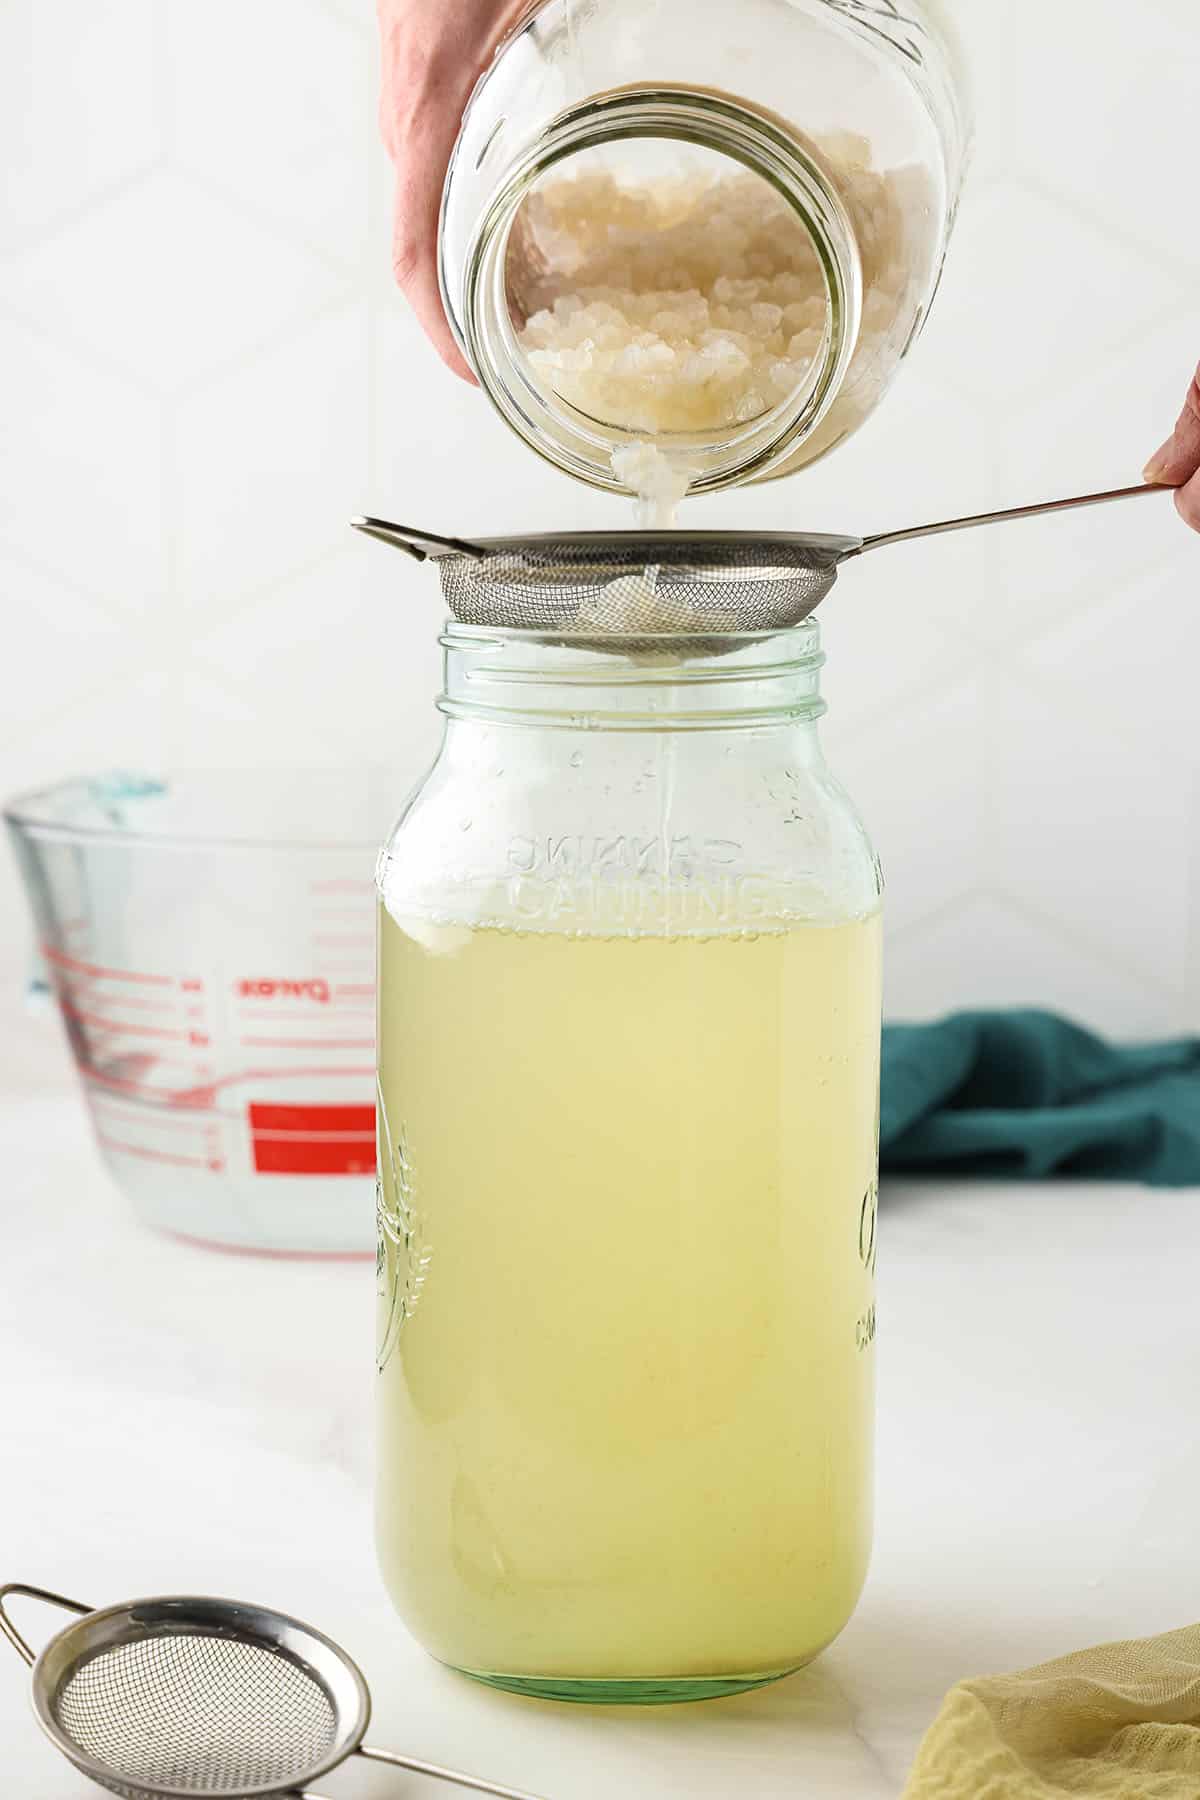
pixel 433 52
pixel 1177 464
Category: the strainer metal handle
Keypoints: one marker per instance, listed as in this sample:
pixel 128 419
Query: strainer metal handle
pixel 1009 514
pixel 475 1782
pixel 23 1650
pixel 433 1770
pixel 424 546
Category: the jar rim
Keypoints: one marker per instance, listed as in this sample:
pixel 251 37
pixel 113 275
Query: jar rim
pixel 733 681
pixel 550 425
pixel 456 635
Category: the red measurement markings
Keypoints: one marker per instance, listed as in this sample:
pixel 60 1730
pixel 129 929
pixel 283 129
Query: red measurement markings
pixel 301 1016
pixel 355 987
pixel 157 1109
pixel 130 1028
pixel 150 1154
pixel 114 1084
pixel 132 1077
pixel 157 1130
pixel 314 1043
pixel 200 1095
pixel 130 1001
pixel 353 1117
pixel 98 972
pixel 195 1137
pixel 204 1093
pixel 312 1140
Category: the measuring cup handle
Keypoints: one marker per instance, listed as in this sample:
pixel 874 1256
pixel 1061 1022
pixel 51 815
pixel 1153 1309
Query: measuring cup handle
pixel 31 1593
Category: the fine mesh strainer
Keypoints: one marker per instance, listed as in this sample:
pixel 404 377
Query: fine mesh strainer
pixel 175 1697
pixel 620 584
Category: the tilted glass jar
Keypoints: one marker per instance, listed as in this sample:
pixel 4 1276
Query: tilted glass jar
pixel 765 190
pixel 629 1011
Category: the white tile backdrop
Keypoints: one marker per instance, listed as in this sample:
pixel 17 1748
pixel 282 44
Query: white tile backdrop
pixel 204 371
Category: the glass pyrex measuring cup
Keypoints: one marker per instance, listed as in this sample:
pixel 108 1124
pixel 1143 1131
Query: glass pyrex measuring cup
pixel 210 943
pixel 629 1063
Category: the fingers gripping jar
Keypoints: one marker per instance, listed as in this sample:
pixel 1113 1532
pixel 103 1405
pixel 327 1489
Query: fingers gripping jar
pixel 714 229
pixel 629 1021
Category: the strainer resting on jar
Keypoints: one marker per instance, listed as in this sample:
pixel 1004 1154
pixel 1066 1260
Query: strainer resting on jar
pixel 175 1697
pixel 622 585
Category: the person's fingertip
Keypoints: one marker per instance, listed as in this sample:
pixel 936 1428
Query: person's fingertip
pixel 455 361
pixel 1158 469
pixel 1187 503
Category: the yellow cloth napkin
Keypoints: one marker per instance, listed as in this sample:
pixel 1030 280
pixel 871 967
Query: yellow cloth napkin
pixel 1121 1722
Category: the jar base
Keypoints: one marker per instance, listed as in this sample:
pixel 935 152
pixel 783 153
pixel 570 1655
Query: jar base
pixel 650 1691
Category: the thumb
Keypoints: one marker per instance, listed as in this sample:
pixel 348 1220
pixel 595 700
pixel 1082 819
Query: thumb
pixel 414 264
pixel 1178 460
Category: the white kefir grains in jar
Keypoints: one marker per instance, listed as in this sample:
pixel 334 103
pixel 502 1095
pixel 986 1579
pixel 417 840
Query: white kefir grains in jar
pixel 686 245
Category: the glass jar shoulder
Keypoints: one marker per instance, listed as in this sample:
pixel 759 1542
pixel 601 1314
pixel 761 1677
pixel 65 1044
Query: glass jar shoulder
pixel 565 831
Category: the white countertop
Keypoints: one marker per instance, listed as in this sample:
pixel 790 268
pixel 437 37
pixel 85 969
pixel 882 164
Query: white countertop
pixel 175 1420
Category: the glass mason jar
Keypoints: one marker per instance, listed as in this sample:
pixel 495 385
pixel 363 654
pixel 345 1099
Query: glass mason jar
pixel 714 228
pixel 629 1018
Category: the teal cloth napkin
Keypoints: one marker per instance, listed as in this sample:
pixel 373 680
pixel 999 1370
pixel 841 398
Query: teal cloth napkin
pixel 1028 1096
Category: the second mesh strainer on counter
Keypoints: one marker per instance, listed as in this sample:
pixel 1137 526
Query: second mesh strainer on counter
pixel 183 1696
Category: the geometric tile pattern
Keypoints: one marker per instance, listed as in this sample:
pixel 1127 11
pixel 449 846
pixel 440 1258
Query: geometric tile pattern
pixel 205 370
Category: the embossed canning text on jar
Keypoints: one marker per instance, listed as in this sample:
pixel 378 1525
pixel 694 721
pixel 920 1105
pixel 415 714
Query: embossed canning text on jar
pixel 713 229
pixel 628 1067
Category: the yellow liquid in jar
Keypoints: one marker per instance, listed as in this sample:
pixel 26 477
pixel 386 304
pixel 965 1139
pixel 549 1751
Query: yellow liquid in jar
pixel 627 1214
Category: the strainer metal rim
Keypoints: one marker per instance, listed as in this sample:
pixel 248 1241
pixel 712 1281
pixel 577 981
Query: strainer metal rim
pixel 669 546
pixel 235 1620
pixel 595 585
pixel 635 548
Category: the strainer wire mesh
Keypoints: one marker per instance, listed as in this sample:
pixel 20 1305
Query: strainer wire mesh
pixel 187 1711
pixel 611 587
